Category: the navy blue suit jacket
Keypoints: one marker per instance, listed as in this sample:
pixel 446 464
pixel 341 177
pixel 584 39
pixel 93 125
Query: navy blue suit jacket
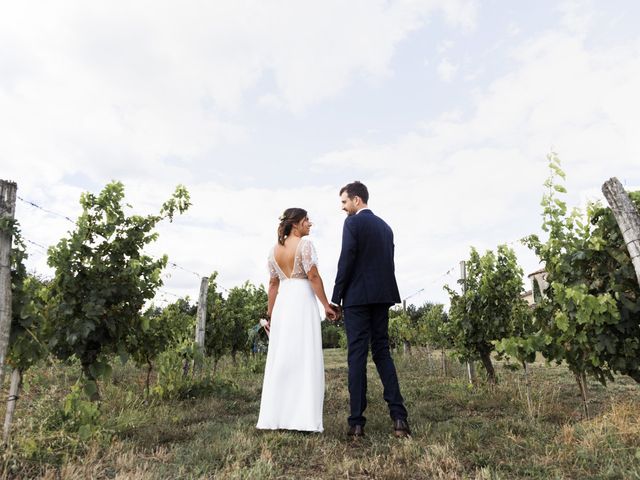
pixel 366 270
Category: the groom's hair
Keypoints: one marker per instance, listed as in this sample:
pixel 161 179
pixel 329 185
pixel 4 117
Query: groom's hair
pixel 356 189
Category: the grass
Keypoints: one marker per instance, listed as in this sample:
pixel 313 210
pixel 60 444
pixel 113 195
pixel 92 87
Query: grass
pixel 458 431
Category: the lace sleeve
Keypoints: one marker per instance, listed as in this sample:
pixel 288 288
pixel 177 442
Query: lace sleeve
pixel 273 273
pixel 308 256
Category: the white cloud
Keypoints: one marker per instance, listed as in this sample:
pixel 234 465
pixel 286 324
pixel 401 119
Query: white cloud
pixel 144 92
pixel 271 101
pixel 446 70
pixel 125 85
pixel 461 13
pixel 577 15
pixel 513 29
pixel 444 46
pixel 477 179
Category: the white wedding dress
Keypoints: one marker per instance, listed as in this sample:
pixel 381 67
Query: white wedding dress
pixel 293 385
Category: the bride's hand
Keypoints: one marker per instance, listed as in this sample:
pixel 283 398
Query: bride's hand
pixel 330 313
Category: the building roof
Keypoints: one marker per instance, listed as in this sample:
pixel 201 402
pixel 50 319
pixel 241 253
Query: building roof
pixel 542 270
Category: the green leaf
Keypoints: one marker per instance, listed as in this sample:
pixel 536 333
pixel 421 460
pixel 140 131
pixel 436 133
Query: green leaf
pixel 90 388
pixel 84 432
pixel 562 321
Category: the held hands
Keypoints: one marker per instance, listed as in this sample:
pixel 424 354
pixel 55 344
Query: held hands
pixel 330 313
pixel 333 312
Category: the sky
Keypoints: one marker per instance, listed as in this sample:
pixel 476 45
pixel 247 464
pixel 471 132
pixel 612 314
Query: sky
pixel 445 109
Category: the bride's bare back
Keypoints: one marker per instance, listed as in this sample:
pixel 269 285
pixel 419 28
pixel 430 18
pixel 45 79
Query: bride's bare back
pixel 294 259
pixel 285 255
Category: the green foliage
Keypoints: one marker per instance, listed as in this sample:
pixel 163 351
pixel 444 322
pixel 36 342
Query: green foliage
pixel 417 313
pixel 343 342
pixel 434 327
pixel 401 329
pixel 242 310
pixel 172 380
pixel 332 334
pixel 524 344
pixel 589 315
pixel 208 386
pixel 9 225
pixel 407 326
pixel 162 329
pixel 486 310
pixel 103 279
pixel 218 327
pixel 28 294
pixel 80 415
pixel 253 364
pixel 537 293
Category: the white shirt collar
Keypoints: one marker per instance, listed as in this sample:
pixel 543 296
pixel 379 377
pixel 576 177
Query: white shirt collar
pixel 365 208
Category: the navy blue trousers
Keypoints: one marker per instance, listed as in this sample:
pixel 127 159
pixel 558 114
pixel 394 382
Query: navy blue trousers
pixel 370 324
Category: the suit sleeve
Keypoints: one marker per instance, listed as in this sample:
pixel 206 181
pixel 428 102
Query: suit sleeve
pixel 345 263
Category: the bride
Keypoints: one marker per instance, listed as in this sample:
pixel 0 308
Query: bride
pixel 293 385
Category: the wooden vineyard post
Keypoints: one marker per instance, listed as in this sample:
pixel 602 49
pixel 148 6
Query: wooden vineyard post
pixel 471 373
pixel 201 318
pixel 581 380
pixel 201 315
pixel 627 217
pixel 7 215
pixel 16 378
pixel 406 346
pixel 443 359
pixel 429 359
pixel 527 386
pixel 471 368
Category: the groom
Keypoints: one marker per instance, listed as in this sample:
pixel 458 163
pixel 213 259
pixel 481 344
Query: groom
pixel 366 287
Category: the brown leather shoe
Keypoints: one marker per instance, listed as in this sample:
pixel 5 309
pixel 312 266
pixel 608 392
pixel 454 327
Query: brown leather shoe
pixel 356 431
pixel 401 428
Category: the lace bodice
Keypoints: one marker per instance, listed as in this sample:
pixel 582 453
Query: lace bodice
pixel 305 258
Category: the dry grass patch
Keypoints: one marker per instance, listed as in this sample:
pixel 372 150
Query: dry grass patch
pixel 118 462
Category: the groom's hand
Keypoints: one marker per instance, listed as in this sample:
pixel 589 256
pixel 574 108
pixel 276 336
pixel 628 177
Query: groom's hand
pixel 338 310
pixel 330 313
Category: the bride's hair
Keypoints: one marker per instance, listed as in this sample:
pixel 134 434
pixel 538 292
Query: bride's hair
pixel 288 219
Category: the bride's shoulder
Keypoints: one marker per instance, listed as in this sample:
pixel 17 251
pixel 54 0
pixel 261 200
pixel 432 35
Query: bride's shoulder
pixel 306 245
pixel 306 240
